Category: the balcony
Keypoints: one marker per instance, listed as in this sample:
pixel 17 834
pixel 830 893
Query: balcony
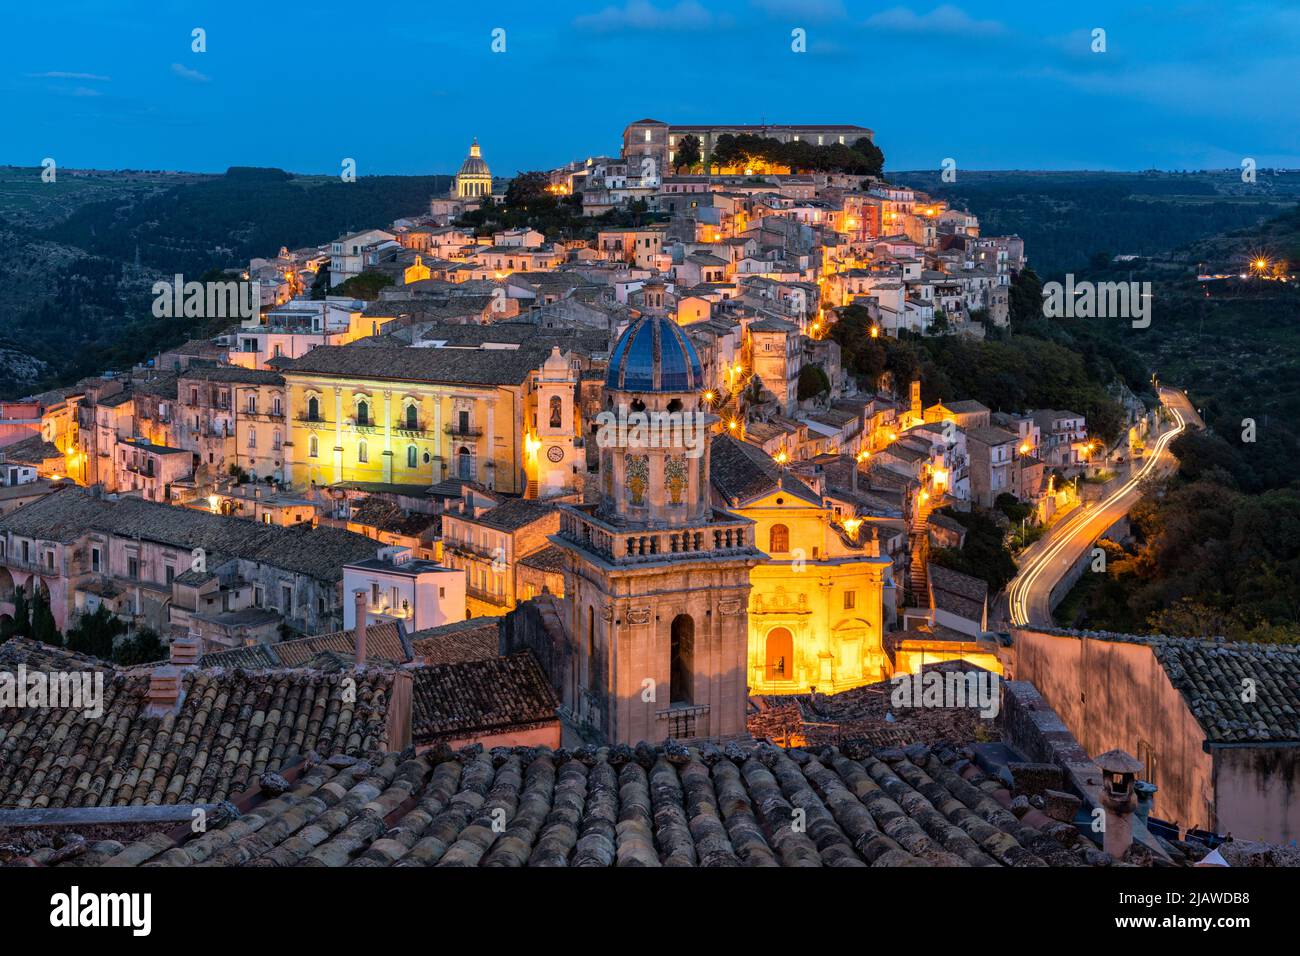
pixel 456 431
pixel 719 536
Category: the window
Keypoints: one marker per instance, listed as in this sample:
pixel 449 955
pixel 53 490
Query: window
pixel 94 559
pixel 171 574
pixel 412 417
pixel 850 600
pixel 412 457
pixel 779 539
pixel 252 403
pixel 252 438
pixel 275 439
pixel 133 567
pixel 313 409
pixel 681 659
pixel 464 464
pixel 275 406
pixel 464 422
pixel 363 453
pixel 374 595
pixel 286 599
pixel 363 413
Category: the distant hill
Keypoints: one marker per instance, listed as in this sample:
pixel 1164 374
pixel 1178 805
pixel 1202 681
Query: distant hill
pixel 75 292
pixel 1067 218
pixel 225 221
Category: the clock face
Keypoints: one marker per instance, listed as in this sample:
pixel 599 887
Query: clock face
pixel 555 453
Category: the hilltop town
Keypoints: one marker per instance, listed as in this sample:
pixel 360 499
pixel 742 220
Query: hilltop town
pixel 477 510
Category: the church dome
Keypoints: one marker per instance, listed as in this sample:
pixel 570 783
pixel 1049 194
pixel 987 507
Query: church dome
pixel 654 355
pixel 474 164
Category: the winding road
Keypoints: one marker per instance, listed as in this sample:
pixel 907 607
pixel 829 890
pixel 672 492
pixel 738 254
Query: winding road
pixel 1048 560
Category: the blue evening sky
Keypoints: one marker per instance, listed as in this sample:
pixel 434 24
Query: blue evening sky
pixel 402 87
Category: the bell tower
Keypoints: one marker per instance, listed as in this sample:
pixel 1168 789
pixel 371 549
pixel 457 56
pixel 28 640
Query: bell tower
pixel 554 457
pixel 656 578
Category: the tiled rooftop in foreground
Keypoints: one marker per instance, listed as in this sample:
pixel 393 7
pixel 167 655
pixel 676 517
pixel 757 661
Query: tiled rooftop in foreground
pixel 649 806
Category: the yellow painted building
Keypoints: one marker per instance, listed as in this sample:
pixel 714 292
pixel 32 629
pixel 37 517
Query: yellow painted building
pixel 410 415
pixel 816 615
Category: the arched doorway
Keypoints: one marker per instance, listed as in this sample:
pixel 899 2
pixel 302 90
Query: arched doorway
pixel 6 585
pixel 464 469
pixel 681 660
pixel 780 654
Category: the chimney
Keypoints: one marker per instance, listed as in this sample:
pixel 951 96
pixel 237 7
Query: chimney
pixel 360 629
pixel 1119 799
pixel 167 683
pixel 185 651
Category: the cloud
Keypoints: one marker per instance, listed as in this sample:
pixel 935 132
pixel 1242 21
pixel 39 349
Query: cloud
pixel 642 15
pixel 186 73
pixel 812 10
pixel 64 75
pixel 945 19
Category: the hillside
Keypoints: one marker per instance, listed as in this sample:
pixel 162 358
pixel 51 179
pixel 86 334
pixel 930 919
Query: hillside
pixel 90 246
pixel 1067 218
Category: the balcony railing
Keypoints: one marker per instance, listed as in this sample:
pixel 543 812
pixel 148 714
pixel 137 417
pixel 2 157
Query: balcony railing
pixel 718 536
pixel 456 431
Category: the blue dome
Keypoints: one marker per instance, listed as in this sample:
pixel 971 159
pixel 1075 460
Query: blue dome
pixel 654 355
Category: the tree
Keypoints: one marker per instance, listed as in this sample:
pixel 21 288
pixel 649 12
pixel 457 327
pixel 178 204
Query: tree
pixel 1025 299
pixel 320 287
pixel 812 382
pixel 144 647
pixel 527 190
pixel 366 285
pixel 688 152
pixel 44 628
pixel 95 633
pixel 21 624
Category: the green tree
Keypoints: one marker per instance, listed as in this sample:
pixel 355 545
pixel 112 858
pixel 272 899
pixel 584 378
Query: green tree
pixel 813 382
pixel 44 629
pixel 688 152
pixel 364 286
pixel 21 624
pixel 1025 298
pixel 95 633
pixel 143 647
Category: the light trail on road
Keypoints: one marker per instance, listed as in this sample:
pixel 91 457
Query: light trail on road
pixel 1022 586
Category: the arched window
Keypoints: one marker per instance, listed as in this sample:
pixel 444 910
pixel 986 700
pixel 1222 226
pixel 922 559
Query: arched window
pixel 363 453
pixel 779 540
pixel 412 417
pixel 557 411
pixel 464 467
pixel 681 660
pixel 313 409
pixel 412 456
pixel 363 412
pixel 780 654
pixel 313 447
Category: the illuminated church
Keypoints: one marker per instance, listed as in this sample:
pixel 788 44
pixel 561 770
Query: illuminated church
pixel 474 181
pixel 656 578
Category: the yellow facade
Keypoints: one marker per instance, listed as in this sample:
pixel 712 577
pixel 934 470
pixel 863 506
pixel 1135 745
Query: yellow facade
pixel 375 430
pixel 816 614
